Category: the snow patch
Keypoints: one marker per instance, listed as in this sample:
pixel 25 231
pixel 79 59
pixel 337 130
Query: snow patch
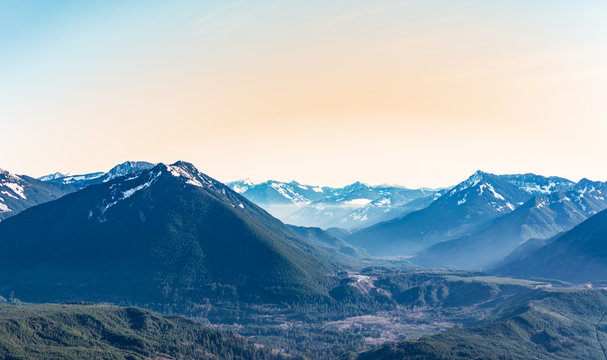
pixel 384 202
pixel 128 193
pixel 16 188
pixel 9 194
pixel 75 178
pixel 194 182
pixel 357 202
pixel 491 189
pixel 125 194
pixel 240 189
pixel 4 208
pixel 192 179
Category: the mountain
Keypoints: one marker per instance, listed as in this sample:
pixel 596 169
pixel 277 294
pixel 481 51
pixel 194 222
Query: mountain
pixel 82 181
pixel 167 236
pixel 461 211
pixel 542 217
pixel 579 255
pixel 325 239
pixel 63 332
pixel 281 199
pixel 359 205
pixel 555 325
pixel 524 250
pixel 386 207
pixel 19 192
pixel 353 206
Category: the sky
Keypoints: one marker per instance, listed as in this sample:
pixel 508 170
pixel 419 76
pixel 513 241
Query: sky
pixel 418 93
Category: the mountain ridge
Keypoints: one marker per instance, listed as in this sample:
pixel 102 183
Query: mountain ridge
pixel 19 192
pixel 153 225
pixel 462 211
pixel 541 217
pixel 84 180
pixel 352 206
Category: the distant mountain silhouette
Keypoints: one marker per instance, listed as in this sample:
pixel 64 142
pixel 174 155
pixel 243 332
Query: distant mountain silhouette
pixel 579 255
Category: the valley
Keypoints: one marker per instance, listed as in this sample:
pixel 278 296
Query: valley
pixel 303 180
pixel 474 265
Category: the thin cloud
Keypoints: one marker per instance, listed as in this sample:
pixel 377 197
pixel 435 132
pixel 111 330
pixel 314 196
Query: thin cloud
pixel 217 12
pixel 358 14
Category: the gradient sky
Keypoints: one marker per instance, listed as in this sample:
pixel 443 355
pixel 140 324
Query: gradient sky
pixel 419 93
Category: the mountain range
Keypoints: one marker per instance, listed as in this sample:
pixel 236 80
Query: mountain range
pixel 165 235
pixel 353 206
pixel 170 238
pixel 19 192
pixel 541 217
pixel 474 225
pixel 482 202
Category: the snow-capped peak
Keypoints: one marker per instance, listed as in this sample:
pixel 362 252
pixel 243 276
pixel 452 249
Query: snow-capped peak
pixel 127 167
pixel 7 176
pixel 472 181
pixel 241 186
pixel 53 176
pixel 475 178
pixel 125 188
pixel 191 174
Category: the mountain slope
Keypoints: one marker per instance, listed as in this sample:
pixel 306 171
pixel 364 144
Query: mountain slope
pixel 19 192
pixel 539 218
pixel 579 255
pixel 325 239
pixel 106 332
pixel 169 236
pixel 558 325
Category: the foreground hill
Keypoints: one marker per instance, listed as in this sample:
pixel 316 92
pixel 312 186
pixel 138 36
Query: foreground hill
pixel 106 332
pixel 168 236
pixel 579 255
pixel 19 192
pixel 542 217
pixel 561 325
